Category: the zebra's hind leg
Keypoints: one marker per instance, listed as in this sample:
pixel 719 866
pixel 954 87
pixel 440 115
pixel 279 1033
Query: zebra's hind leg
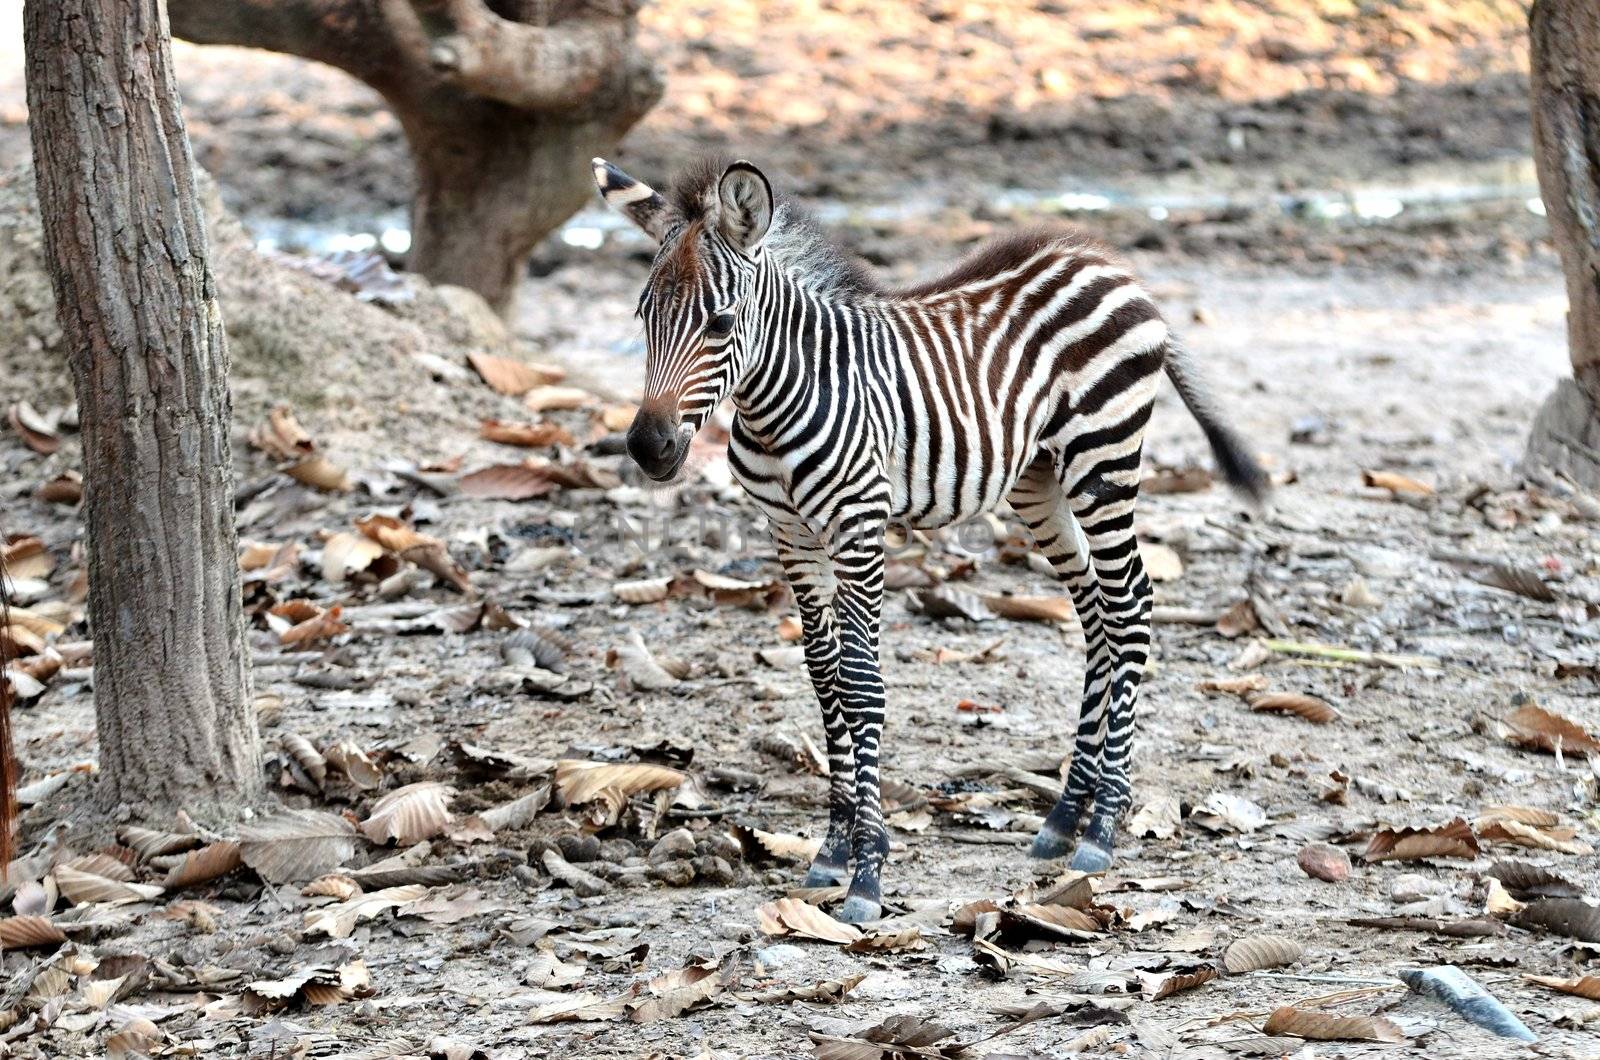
pixel 1104 507
pixel 810 574
pixel 1039 502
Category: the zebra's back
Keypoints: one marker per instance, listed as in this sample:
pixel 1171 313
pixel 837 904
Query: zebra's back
pixel 1041 342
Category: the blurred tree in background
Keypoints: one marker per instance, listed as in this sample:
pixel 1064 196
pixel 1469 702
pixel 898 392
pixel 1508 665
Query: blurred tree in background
pixel 502 101
pixel 1566 149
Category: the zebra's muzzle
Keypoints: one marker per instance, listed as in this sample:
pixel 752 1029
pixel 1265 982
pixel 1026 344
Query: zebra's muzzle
pixel 657 444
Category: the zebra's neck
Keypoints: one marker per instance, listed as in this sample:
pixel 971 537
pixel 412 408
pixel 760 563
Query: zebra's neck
pixel 809 351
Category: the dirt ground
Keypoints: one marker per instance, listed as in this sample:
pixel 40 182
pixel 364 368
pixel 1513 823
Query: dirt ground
pixel 1418 346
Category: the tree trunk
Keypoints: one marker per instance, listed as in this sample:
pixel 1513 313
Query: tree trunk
pixel 126 246
pixel 503 103
pixel 1565 60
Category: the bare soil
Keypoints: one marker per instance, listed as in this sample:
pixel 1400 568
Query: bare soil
pixel 1417 348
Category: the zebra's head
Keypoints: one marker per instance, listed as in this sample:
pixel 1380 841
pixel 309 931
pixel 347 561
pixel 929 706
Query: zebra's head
pixel 710 244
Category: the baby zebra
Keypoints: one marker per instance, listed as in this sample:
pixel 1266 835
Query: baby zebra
pixel 1026 374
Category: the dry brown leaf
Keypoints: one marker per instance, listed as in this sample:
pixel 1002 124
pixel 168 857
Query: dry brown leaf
pixel 282 437
pixel 1572 917
pixel 1237 686
pixel 1256 952
pixel 643 591
pixel 617 418
pixel 1395 482
pixel 307 757
pixel 295 845
pixel 332 886
pixel 82 888
pixel 786 916
pixel 1560 840
pixel 350 760
pixel 1158 818
pixel 948 601
pixel 1158 986
pixel 1310 708
pixel 65 488
pixel 1537 729
pixel 1032 608
pixel 319 627
pixel 339 920
pixel 1051 920
pixel 676 993
pixel 1582 986
pixel 577 782
pixel 782 846
pixel 526 435
pixel 1532 816
pixel 552 398
pixel 203 865
pixel 1452 840
pixel 506 482
pixel 36 432
pixel 26 557
pixel 905 940
pixel 21 932
pixel 103 863
pixel 1239 619
pixel 509 376
pixel 1326 1027
pixel 139 1037
pixel 318 472
pixel 1532 881
pixel 643 670
pixel 410 814
pixel 1161 562
pixel 828 993
pixel 345 554
pixel 427 552
pixel 1190 479
pixel 149 843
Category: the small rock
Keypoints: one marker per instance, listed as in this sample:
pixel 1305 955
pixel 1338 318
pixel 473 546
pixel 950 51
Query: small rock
pixel 537 848
pixel 714 870
pixel 578 848
pixel 1411 887
pixel 618 850
pixel 673 873
pixel 1323 862
pixel 719 845
pixel 526 875
pixel 282 944
pixel 777 956
pixel 736 931
pixel 678 843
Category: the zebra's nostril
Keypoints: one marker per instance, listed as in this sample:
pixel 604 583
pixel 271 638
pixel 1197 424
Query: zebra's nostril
pixel 652 443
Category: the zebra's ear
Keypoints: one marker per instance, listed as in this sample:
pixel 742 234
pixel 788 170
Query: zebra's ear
pixel 745 206
pixel 637 201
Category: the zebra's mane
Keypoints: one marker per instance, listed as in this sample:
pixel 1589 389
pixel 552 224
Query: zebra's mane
pixel 795 241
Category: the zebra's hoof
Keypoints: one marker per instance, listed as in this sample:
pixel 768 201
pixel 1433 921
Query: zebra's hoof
pixel 859 910
pixel 1050 843
pixel 822 876
pixel 1091 856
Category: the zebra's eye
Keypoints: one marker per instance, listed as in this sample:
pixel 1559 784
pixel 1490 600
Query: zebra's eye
pixel 720 326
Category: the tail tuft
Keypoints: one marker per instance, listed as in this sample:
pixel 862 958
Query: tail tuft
pixel 1234 458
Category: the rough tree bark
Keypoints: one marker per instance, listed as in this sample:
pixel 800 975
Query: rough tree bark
pixel 502 101
pixel 126 246
pixel 1565 38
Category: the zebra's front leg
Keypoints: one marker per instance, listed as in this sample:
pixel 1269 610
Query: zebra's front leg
pixel 858 565
pixel 810 574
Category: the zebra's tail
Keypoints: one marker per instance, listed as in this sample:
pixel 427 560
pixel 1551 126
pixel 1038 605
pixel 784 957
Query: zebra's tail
pixel 1234 458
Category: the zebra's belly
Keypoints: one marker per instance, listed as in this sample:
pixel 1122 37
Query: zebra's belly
pixel 934 497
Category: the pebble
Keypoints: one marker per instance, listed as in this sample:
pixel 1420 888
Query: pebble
pixel 719 845
pixel 678 843
pixel 778 956
pixel 714 870
pixel 578 848
pixel 673 873
pixel 618 850
pixel 1411 887
pixel 1323 862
